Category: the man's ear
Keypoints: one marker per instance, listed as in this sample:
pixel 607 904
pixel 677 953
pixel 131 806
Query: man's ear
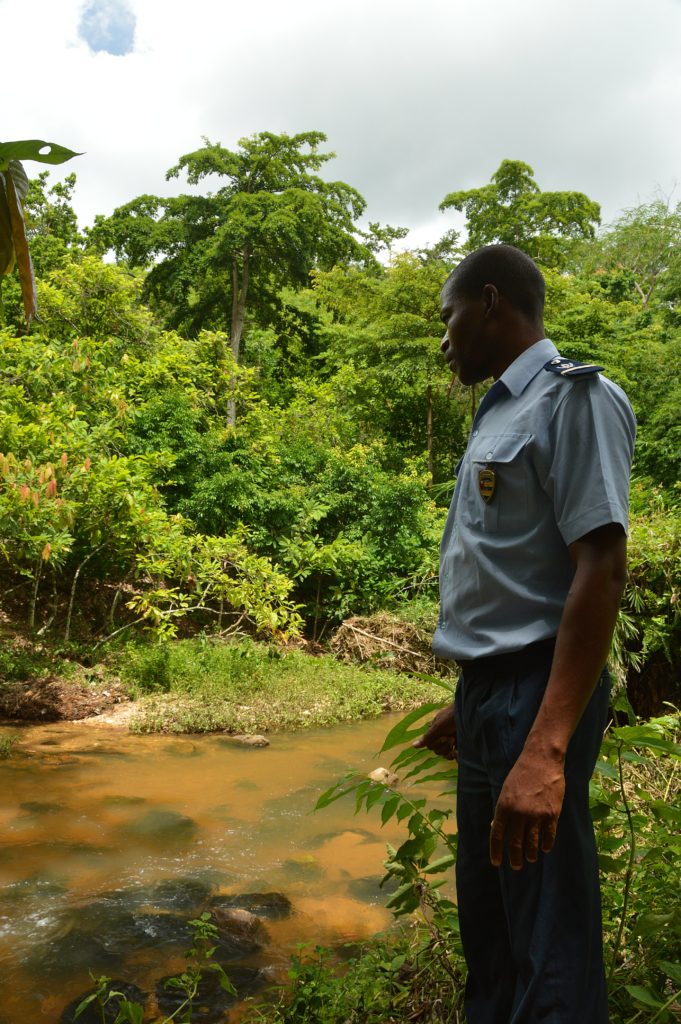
pixel 490 299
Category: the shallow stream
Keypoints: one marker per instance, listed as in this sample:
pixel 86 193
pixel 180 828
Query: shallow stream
pixel 109 842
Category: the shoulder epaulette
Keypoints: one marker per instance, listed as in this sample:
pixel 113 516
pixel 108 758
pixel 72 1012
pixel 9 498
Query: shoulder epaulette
pixel 571 368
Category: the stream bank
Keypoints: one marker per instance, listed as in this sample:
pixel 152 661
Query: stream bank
pixel 199 685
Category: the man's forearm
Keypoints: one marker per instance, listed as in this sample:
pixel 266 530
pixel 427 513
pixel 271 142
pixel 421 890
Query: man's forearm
pixel 582 647
pixel 529 805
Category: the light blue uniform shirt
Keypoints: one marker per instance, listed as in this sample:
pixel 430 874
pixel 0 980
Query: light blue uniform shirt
pixel 560 449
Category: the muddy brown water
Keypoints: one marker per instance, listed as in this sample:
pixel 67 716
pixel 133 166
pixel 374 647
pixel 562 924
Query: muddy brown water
pixel 102 831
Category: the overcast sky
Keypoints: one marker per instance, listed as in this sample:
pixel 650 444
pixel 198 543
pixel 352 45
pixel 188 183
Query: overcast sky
pixel 416 98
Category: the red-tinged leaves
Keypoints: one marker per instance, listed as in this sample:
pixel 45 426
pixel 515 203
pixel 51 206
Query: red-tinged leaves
pixel 23 256
pixel 46 552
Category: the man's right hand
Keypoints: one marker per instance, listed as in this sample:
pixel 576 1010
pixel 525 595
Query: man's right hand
pixel 440 736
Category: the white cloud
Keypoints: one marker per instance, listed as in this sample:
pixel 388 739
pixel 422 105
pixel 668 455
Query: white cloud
pixel 108 26
pixel 417 99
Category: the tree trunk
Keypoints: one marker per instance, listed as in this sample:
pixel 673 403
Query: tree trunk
pixel 429 429
pixel 72 596
pixel 239 296
pixel 34 595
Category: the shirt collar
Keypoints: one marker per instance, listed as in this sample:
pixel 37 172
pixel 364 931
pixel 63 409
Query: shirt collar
pixel 518 375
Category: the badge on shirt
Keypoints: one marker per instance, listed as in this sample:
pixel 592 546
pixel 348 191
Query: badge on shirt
pixel 487 482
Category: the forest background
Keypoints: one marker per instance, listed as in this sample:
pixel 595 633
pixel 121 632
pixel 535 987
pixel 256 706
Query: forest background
pixel 231 418
pixel 243 422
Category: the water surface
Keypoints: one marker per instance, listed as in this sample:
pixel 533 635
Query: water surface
pixel 101 830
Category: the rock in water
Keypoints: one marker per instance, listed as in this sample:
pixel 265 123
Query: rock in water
pixel 251 741
pixel 239 932
pixel 272 905
pixel 385 776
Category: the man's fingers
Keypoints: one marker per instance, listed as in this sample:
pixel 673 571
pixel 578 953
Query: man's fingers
pixel 516 843
pixel 440 736
pixel 496 840
pixel 445 747
pixel 520 839
pixel 532 842
pixel 548 836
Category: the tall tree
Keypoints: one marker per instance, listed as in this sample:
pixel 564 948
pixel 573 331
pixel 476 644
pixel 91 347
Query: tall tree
pixel 215 256
pixel 644 246
pixel 512 209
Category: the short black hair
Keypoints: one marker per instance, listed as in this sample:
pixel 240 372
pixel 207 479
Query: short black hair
pixel 512 272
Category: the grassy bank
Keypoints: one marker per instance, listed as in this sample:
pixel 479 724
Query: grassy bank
pixel 201 686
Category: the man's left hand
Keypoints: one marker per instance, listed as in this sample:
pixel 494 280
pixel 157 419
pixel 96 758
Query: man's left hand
pixel 527 811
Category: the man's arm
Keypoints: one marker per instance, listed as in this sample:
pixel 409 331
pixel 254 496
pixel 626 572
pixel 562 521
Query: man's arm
pixel 530 801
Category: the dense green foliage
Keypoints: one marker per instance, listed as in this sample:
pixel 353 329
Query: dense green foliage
pixel 181 480
pixel 243 425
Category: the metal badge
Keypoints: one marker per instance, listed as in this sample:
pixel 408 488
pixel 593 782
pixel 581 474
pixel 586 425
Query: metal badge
pixel 487 482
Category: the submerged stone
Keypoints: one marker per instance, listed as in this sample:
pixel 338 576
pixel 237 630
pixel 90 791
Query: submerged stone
pixel 93 1013
pixel 123 801
pixel 179 893
pixel 369 889
pixel 302 865
pixel 75 952
pixel 38 807
pixel 36 887
pixel 160 826
pixel 149 930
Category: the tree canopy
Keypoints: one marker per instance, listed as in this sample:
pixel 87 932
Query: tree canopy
pixel 212 257
pixel 513 210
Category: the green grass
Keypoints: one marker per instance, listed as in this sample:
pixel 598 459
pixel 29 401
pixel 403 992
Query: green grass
pixel 7 745
pixel 244 687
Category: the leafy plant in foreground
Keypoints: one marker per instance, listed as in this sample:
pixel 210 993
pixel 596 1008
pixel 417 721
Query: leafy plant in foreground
pixel 419 863
pixel 634 801
pixel 199 963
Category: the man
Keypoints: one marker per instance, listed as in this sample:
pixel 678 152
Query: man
pixel 532 572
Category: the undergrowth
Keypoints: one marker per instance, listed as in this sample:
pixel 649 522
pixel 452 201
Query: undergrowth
pixel 200 685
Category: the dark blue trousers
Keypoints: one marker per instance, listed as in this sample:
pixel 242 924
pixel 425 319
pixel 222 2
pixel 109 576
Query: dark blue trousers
pixel 532 938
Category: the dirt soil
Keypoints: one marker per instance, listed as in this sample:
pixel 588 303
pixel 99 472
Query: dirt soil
pixel 54 699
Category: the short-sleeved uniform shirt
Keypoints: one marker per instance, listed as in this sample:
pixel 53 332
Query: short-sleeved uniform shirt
pixel 557 453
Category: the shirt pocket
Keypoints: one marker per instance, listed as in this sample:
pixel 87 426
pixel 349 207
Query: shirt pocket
pixel 505 457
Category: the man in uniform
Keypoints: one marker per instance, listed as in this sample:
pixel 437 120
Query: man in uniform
pixel 531 576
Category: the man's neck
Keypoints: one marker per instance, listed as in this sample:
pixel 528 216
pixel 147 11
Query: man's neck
pixel 515 343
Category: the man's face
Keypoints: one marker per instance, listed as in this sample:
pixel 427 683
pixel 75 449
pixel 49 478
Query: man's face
pixel 466 345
